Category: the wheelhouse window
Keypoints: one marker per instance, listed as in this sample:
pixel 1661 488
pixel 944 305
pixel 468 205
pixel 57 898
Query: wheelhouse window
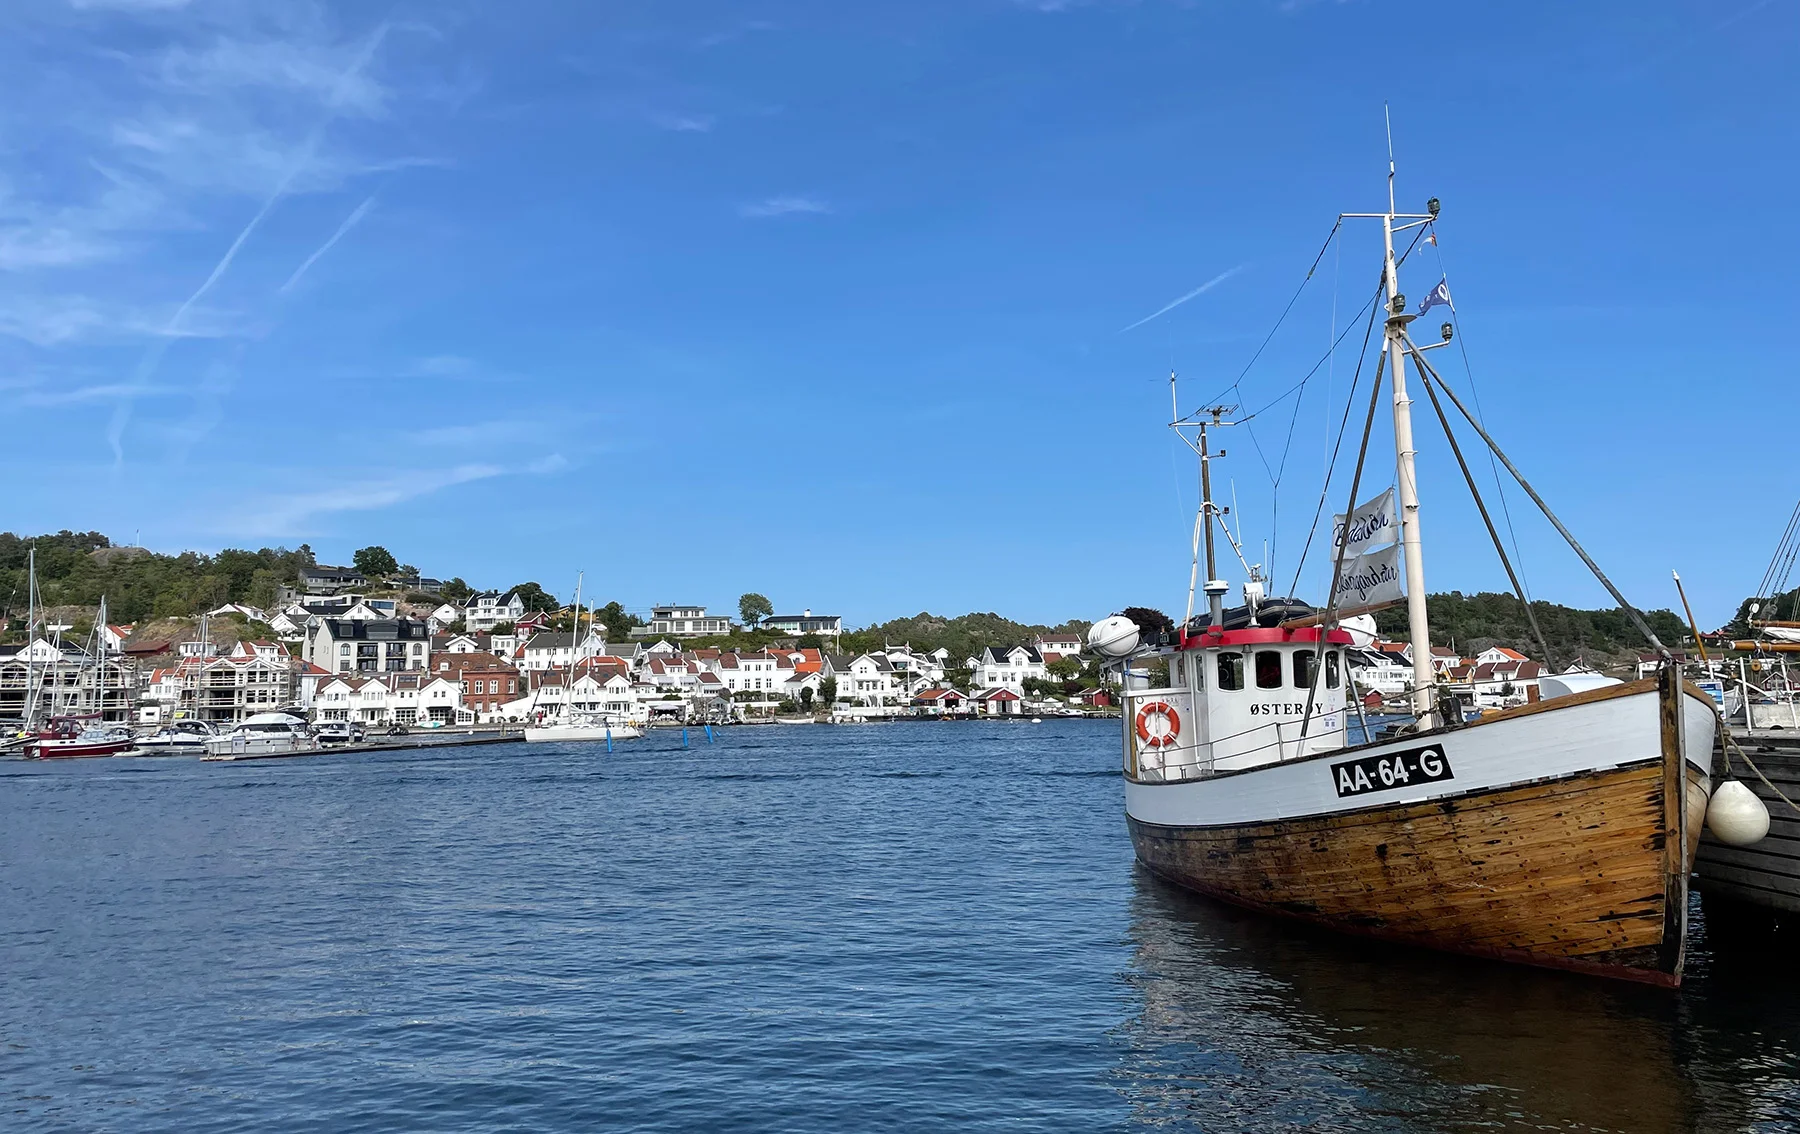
pixel 1305 669
pixel 1231 670
pixel 1331 670
pixel 1268 669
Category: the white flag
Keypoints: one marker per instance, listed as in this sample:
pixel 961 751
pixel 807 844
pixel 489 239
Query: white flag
pixel 1370 579
pixel 1371 526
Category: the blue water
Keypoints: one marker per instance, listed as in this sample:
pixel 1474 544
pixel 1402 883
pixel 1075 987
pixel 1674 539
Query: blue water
pixel 900 927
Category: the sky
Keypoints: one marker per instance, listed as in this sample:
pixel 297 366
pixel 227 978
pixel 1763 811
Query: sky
pixel 872 307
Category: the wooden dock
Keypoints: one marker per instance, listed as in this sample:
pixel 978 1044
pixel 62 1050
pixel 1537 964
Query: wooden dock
pixel 1768 873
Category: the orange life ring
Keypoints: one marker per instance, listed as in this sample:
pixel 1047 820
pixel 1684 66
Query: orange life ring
pixel 1171 724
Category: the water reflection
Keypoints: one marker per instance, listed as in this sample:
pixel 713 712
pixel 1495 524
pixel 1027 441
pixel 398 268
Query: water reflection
pixel 1252 1024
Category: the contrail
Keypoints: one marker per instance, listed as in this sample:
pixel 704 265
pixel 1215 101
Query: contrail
pixel 1202 289
pixel 115 431
pixel 349 223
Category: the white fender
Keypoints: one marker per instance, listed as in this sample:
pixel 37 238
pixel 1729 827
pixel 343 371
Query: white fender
pixel 1735 816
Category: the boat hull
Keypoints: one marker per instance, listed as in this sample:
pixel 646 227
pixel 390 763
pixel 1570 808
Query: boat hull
pixel 74 749
pixel 1562 839
pixel 583 733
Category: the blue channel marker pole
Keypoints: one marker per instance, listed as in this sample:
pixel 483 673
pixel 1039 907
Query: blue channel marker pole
pixel 609 739
pixel 684 743
pixel 709 735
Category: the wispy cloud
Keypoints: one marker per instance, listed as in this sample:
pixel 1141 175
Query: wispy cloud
pixel 1201 290
pixel 441 366
pixel 115 432
pixel 684 123
pixel 53 320
pixel 99 393
pixel 350 222
pixel 783 205
pixel 298 513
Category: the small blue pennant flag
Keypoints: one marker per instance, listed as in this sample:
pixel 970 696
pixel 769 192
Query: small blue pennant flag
pixel 1437 295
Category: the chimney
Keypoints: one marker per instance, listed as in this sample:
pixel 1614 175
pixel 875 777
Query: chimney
pixel 807 613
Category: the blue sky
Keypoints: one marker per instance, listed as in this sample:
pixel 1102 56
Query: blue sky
pixel 828 300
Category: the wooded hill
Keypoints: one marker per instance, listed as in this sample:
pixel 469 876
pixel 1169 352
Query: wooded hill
pixel 1472 623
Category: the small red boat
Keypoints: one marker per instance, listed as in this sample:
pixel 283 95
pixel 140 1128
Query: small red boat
pixel 67 738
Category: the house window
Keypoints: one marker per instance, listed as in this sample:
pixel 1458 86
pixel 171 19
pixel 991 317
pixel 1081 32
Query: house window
pixel 1268 669
pixel 1231 670
pixel 1304 669
pixel 343 649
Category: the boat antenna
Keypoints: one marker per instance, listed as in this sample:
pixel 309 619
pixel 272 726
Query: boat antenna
pixel 1215 587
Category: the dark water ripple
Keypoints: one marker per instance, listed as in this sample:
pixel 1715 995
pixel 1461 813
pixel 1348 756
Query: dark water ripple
pixel 902 927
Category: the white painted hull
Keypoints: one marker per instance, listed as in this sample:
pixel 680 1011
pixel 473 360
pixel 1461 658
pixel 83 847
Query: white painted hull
pixel 569 733
pixel 1554 744
pixel 256 748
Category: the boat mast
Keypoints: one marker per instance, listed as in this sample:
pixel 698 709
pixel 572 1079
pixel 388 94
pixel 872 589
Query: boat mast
pixel 1419 626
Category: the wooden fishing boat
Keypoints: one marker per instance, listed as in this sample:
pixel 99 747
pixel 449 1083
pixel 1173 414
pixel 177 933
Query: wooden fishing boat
pixel 1558 833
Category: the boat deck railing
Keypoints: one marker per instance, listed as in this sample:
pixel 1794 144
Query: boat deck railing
pixel 1191 758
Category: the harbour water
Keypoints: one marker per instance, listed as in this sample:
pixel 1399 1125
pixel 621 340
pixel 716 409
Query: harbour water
pixel 894 927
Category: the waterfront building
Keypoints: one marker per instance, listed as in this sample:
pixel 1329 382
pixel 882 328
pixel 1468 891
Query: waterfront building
pixel 60 680
pixel 343 645
pixel 1007 667
pixel 868 680
pixel 255 677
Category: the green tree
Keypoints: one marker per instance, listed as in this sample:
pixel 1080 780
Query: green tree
pixel 265 585
pixel 809 642
pixel 617 622
pixel 535 597
pixel 1065 668
pixel 753 608
pixel 828 690
pixel 455 590
pixel 375 562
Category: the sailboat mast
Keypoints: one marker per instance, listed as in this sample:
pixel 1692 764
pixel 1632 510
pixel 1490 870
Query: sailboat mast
pixel 1419 626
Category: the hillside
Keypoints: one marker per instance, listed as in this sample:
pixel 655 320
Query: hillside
pixel 1471 623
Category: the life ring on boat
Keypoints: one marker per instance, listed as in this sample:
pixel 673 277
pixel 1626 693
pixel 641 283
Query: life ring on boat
pixel 1168 730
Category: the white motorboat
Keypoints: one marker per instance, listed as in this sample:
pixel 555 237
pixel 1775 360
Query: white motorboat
pixel 263 735
pixel 178 738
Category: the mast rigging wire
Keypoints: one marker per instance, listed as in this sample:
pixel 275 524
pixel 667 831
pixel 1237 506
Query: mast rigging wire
pixel 1475 393
pixel 1493 534
pixel 1631 612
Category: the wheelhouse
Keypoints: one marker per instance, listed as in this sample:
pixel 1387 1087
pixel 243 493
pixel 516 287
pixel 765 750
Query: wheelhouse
pixel 1237 699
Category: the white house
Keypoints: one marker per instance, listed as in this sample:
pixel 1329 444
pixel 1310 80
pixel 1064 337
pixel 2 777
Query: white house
pixel 677 621
pixel 488 609
pixel 750 673
pixel 445 616
pixel 553 650
pixel 1063 645
pixel 866 679
pixel 368 646
pixel 1003 667
pixel 806 622
pixel 242 610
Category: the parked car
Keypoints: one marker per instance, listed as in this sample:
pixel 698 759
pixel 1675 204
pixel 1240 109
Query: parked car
pixel 340 732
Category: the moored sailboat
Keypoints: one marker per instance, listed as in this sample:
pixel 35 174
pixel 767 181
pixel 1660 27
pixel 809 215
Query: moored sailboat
pixel 1558 833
